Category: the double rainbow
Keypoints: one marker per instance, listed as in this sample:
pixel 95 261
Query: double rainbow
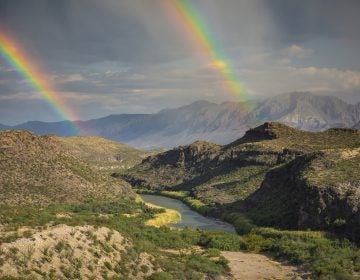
pixel 30 72
pixel 188 18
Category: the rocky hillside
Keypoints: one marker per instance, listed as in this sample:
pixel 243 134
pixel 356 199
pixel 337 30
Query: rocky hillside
pixel 175 166
pixel 278 175
pixel 219 123
pixel 39 169
pixel 318 190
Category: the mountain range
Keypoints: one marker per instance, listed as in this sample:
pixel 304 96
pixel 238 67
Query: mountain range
pixel 219 123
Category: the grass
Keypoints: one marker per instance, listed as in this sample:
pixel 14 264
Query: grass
pixel 168 216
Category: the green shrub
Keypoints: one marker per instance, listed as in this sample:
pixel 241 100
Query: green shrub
pixel 161 276
pixel 144 268
pixel 242 224
pixel 212 252
pixel 205 265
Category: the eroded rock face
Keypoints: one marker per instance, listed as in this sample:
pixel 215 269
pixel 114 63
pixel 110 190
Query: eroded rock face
pixel 199 152
pixel 289 197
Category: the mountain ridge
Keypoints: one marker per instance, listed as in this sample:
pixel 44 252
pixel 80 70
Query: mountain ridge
pixel 220 123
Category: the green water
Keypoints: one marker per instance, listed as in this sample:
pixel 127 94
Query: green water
pixel 189 218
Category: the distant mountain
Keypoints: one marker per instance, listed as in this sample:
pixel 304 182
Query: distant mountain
pixel 4 127
pixel 308 112
pixel 219 123
pixel 275 175
pixel 40 170
pixel 41 128
pixel 357 126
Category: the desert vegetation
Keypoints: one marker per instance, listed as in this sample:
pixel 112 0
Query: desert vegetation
pixel 113 235
pixel 325 256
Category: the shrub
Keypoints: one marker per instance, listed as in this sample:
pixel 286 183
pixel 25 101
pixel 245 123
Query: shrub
pixel 161 276
pixel 212 252
pixel 144 269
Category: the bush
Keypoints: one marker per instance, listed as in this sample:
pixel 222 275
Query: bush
pixel 228 242
pixel 212 252
pixel 242 224
pixel 204 265
pixel 160 276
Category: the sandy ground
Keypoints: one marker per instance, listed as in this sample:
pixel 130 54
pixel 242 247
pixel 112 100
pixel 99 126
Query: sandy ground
pixel 249 266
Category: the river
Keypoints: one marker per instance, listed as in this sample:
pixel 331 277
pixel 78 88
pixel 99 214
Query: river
pixel 189 218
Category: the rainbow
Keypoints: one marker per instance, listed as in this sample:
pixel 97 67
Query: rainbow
pixel 188 18
pixel 30 72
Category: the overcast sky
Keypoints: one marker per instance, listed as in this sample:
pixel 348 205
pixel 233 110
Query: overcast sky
pixel 128 56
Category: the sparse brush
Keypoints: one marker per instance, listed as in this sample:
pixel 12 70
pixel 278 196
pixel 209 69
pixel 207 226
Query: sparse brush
pixel 28 253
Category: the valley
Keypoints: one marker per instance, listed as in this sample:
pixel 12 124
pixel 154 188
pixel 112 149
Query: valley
pixel 289 194
pixel 179 140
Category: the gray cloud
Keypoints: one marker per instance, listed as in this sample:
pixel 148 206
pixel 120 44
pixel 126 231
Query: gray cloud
pixel 110 56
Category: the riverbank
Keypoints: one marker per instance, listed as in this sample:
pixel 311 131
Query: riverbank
pixel 169 216
pixel 243 265
pixel 324 255
pixel 189 217
pixel 241 224
pixel 193 203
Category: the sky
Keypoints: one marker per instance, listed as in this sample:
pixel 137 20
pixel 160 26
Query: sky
pixel 132 56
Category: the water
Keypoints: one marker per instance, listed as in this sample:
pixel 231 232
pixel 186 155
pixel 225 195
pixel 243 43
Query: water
pixel 189 218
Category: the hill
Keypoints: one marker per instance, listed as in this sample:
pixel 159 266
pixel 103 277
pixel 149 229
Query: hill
pixel 219 123
pixel 103 154
pixel 38 169
pixel 279 176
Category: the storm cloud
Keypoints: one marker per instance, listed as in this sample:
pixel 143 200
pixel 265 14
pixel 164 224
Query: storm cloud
pixel 109 56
